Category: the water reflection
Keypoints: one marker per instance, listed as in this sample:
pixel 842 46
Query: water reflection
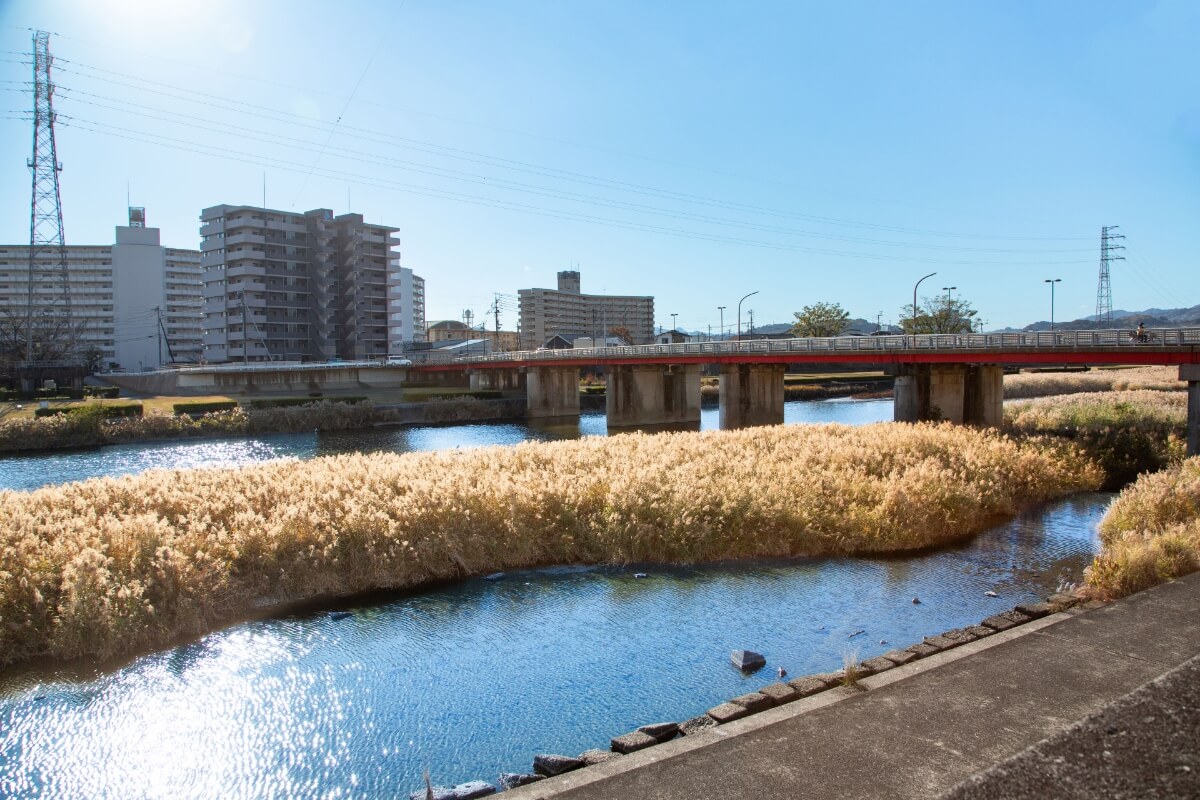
pixel 29 471
pixel 475 678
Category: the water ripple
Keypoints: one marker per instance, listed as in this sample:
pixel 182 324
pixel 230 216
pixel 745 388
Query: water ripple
pixel 474 679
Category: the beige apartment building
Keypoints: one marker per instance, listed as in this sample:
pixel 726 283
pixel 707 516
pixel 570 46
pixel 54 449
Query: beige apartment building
pixel 451 330
pixel 566 311
pixel 136 304
pixel 282 286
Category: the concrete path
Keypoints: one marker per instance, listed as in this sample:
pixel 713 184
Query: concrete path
pixel 922 729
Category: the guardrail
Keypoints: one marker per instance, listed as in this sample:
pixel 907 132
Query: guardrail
pixel 1040 340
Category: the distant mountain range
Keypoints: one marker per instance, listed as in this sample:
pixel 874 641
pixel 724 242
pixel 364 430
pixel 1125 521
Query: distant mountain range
pixel 1151 318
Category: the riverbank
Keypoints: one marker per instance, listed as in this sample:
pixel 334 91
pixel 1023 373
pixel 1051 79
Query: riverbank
pixel 91 427
pixel 914 731
pixel 113 565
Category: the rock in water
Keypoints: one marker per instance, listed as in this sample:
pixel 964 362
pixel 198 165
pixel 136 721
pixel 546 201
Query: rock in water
pixel 990 594
pixel 472 789
pixel 339 614
pixel 550 765
pixel 511 780
pixel 661 731
pixel 916 601
pixel 495 576
pixel 639 574
pixel 747 660
pixel 439 793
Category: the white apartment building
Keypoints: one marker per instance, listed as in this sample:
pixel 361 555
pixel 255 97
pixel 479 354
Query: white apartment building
pixel 406 308
pixel 281 286
pixel 137 303
pixel 567 312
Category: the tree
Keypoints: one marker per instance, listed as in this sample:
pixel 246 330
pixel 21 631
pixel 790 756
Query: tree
pixel 821 319
pixel 621 332
pixel 938 315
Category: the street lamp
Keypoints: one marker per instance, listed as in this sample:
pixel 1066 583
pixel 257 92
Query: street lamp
pixel 949 314
pixel 740 313
pixel 721 330
pixel 914 316
pixel 673 316
pixel 1052 281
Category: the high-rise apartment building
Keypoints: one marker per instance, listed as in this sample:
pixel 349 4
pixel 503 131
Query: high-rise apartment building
pixel 281 286
pixel 406 308
pixel 567 312
pixel 136 304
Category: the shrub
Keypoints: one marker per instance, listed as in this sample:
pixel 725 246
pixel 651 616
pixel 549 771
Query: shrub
pixel 204 407
pixel 286 402
pixel 1127 432
pixel 1151 533
pixel 107 410
pixel 108 392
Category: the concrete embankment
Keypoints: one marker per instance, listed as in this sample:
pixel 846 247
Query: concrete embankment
pixel 922 729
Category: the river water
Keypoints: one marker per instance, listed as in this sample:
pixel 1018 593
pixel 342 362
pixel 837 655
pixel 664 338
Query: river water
pixel 29 471
pixel 474 679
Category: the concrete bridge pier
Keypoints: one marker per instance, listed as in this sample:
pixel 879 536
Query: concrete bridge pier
pixel 552 392
pixel 503 380
pixel 971 394
pixel 751 394
pixel 641 396
pixel 1191 374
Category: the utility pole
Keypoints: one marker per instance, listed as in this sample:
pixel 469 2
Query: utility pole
pixel 1104 288
pixel 751 313
pixel 49 298
pixel 878 322
pixel 721 330
pixel 159 326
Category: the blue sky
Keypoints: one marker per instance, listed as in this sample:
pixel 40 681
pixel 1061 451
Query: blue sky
pixel 691 151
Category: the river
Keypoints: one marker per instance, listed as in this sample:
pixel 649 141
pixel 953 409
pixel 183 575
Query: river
pixel 475 678
pixel 31 470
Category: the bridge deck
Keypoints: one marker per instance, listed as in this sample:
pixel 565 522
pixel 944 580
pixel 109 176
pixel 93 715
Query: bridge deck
pixel 1171 346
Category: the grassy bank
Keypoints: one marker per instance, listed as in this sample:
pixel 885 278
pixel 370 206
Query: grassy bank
pixel 89 427
pixel 1151 532
pixel 1045 384
pixel 112 565
pixel 1127 432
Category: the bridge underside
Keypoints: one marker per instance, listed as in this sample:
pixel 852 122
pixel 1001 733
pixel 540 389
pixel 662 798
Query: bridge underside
pixel 655 388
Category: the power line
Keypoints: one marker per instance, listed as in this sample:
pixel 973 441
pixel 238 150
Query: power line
pixel 449 152
pixel 358 155
pixel 258 160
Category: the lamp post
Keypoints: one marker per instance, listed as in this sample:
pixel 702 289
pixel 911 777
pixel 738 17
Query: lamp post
pixel 721 330
pixel 740 313
pixel 673 316
pixel 914 316
pixel 879 322
pixel 948 290
pixel 1052 281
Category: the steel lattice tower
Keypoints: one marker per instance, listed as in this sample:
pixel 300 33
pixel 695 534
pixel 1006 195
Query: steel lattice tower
pixel 1104 289
pixel 49 337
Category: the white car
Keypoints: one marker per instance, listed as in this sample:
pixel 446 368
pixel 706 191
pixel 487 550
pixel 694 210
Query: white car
pixel 398 361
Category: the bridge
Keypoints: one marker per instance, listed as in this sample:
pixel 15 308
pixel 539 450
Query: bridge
pixel 955 377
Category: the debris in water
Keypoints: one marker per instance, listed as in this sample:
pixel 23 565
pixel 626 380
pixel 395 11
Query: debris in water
pixel 495 576
pixel 639 574
pixel 990 594
pixel 916 601
pixel 856 633
pixel 883 641
pixel 781 672
pixel 747 660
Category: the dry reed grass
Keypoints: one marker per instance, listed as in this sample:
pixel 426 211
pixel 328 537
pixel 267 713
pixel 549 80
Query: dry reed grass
pixel 111 565
pixel 1044 384
pixel 1127 432
pixel 1151 532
